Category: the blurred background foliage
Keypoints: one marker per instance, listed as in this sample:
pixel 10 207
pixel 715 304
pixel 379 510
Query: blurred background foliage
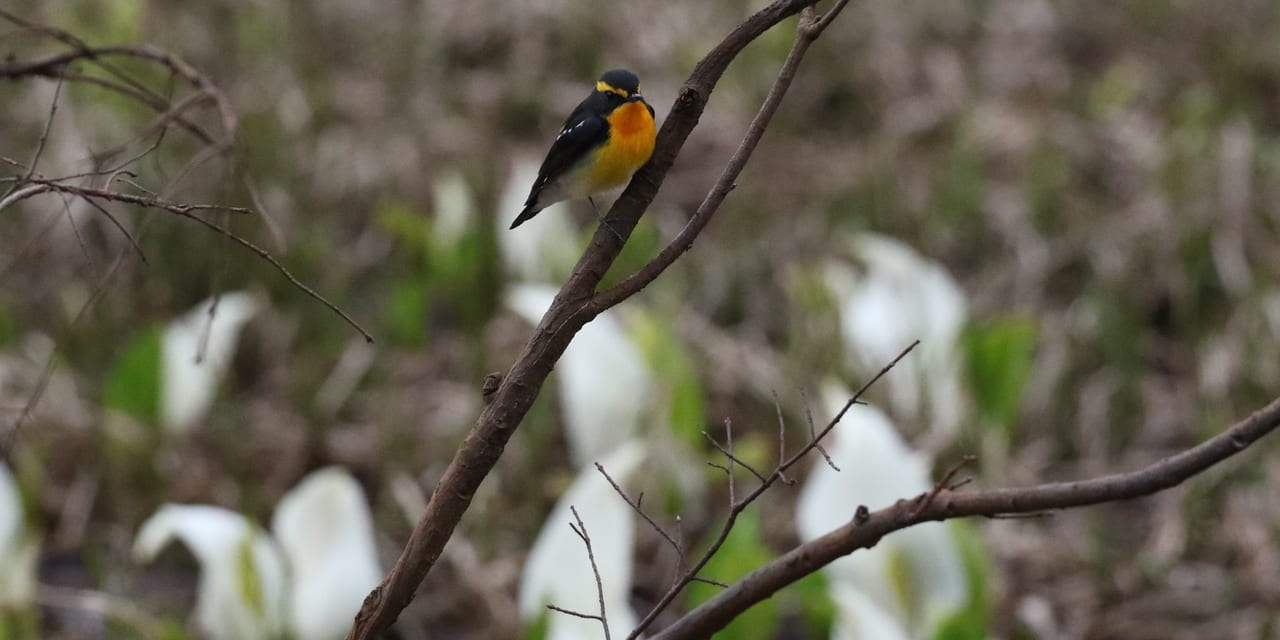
pixel 1102 179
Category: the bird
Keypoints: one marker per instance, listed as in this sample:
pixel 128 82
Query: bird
pixel 603 142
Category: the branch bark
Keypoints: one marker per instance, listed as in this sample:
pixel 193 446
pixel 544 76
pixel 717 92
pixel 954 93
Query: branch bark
pixel 572 308
pixel 864 533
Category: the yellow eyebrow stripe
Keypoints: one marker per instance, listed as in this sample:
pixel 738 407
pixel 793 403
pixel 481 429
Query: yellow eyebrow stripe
pixel 601 85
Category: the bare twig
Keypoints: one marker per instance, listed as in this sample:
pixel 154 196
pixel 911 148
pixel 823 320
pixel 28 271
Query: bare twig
pixel 133 243
pixel 180 208
pixel 782 439
pixel 576 614
pixel 808 416
pixel 581 530
pixel 18 195
pixel 44 137
pixel 738 506
pixel 270 259
pixel 728 453
pixel 944 484
pixel 635 506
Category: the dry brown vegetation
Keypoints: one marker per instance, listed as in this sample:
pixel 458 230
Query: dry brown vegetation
pixel 1105 173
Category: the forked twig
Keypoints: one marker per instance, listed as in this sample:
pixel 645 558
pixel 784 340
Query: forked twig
pixel 944 484
pixel 808 416
pixel 635 506
pixel 581 530
pixel 740 505
pixel 782 439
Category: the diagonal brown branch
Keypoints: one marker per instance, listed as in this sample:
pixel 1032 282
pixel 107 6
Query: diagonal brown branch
pixel 569 312
pixel 865 532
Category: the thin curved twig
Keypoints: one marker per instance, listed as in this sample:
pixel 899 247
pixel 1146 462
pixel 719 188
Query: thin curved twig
pixel 737 506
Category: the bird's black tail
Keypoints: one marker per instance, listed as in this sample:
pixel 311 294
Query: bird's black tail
pixel 530 210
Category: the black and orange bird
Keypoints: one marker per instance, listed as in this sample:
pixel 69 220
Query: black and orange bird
pixel 605 140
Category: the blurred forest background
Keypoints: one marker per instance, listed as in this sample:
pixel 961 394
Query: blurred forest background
pixel 1101 179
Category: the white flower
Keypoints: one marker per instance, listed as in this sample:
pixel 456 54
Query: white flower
pixel 196 350
pixel 605 385
pixel 897 298
pixel 558 571
pixel 542 249
pixel 858 617
pixel 915 576
pixel 308 581
pixel 454 208
pixel 242 576
pixel 326 533
pixel 19 549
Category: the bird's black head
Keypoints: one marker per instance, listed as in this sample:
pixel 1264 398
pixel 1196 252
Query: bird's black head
pixel 619 82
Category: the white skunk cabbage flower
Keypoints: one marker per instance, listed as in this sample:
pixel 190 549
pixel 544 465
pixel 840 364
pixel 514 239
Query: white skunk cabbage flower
pixel 604 382
pixel 195 352
pixel 307 581
pixel 537 251
pixel 326 532
pixel 242 575
pixel 19 550
pixel 558 570
pixel 858 617
pixel 898 297
pixel 915 576
pixel 453 206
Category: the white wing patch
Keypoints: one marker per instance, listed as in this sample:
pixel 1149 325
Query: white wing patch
pixel 568 129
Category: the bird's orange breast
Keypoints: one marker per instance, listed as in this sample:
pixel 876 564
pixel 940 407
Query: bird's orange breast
pixel 631 136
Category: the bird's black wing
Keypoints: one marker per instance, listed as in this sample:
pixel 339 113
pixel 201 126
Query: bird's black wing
pixel 581 132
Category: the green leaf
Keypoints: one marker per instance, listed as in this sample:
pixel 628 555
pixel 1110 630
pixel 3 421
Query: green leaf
pixel 405 224
pixel 407 313
pixel 247 572
pixel 19 624
pixel 640 247
pixel 171 629
pixel 451 272
pixel 676 377
pixel 816 607
pixel 969 623
pixel 463 273
pixel 537 630
pixel 999 355
pixel 902 578
pixel 133 384
pixel 743 551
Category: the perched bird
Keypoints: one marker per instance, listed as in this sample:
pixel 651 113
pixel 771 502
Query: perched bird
pixel 603 142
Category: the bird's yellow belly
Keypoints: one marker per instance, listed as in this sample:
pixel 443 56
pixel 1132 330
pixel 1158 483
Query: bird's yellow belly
pixel 631 136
